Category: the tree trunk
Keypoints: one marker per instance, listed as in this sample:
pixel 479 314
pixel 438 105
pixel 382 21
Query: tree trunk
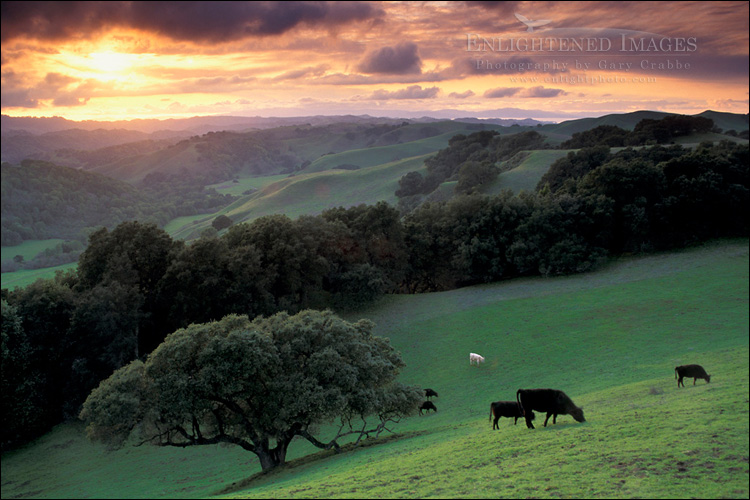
pixel 267 460
pixel 272 457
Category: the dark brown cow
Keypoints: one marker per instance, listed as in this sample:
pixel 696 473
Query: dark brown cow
pixel 510 409
pixel 690 371
pixel 427 406
pixel 549 401
pixel 429 393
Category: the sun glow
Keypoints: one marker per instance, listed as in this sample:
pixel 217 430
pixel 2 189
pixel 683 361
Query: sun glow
pixel 109 65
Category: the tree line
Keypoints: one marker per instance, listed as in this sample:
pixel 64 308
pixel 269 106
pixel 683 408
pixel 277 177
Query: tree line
pixel 135 285
pixel 646 131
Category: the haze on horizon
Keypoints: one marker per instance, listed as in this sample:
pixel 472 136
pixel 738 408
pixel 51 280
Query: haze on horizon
pixel 131 60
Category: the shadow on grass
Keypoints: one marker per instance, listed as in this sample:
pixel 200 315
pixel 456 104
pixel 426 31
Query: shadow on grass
pixel 316 457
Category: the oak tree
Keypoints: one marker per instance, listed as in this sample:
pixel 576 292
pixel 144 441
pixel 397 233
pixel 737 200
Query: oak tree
pixel 256 384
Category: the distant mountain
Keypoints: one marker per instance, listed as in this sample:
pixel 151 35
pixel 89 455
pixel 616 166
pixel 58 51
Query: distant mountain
pixel 505 122
pixel 29 137
pixel 194 125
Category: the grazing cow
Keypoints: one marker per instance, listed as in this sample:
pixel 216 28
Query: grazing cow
pixel 550 401
pixel 694 371
pixel 474 357
pixel 427 406
pixel 429 393
pixel 510 409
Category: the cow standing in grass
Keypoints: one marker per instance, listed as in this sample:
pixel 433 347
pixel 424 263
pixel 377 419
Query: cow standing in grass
pixel 690 371
pixel 510 409
pixel 475 358
pixel 429 393
pixel 427 406
pixel 549 401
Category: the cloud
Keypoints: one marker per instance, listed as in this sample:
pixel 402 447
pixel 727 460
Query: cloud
pixel 411 92
pixel 523 93
pixel 216 21
pixel 462 95
pixel 542 92
pixel 303 72
pixel 17 99
pixel 399 60
pixel 502 92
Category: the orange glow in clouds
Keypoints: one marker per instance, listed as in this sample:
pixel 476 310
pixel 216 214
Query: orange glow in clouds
pixel 393 59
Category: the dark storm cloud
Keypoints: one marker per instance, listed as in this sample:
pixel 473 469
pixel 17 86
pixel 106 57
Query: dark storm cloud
pixel 402 59
pixel 197 21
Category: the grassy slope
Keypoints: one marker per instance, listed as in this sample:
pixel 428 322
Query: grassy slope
pixel 372 156
pixel 610 339
pixel 29 249
pixel 527 174
pixel 25 277
pixel 311 194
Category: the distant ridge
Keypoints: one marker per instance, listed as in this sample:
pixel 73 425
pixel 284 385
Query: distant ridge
pixel 203 124
pixel 195 125
pixel 628 121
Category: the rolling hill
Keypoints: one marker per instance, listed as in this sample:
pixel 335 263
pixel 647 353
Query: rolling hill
pixel 628 121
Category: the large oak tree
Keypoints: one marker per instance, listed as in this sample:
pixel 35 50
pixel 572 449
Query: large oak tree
pixel 256 384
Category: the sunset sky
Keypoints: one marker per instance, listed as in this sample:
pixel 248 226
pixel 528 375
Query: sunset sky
pixel 127 60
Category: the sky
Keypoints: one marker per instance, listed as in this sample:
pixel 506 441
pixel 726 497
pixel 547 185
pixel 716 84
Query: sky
pixel 550 61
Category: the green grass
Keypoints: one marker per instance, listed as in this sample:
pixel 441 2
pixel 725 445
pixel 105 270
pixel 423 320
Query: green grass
pixel 527 174
pixel 245 184
pixel 25 277
pixel 309 194
pixel 373 156
pixel 29 249
pixel 609 339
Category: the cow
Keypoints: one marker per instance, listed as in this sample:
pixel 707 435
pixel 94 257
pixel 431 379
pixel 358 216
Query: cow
pixel 429 393
pixel 510 409
pixel 427 406
pixel 474 357
pixel 694 371
pixel 550 401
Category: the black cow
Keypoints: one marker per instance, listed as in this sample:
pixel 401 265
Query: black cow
pixel 549 401
pixel 427 405
pixel 694 371
pixel 510 409
pixel 429 393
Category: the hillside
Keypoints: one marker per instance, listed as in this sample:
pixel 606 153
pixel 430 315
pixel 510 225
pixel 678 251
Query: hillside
pixel 20 145
pixel 41 200
pixel 310 194
pixel 609 339
pixel 628 121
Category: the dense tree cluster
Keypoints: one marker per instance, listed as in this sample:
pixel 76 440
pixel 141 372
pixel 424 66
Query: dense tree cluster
pixel 662 197
pixel 647 131
pixel 135 285
pixel 471 160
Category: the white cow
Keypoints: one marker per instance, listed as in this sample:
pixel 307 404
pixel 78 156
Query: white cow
pixel 475 357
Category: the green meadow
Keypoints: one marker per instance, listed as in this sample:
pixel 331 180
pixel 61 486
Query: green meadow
pixel 28 250
pixel 610 339
pixel 306 194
